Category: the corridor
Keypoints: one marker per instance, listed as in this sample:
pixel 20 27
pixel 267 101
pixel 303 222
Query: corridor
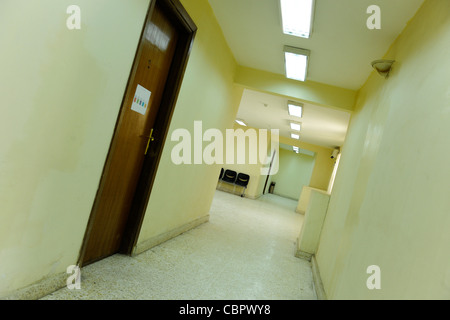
pixel 245 252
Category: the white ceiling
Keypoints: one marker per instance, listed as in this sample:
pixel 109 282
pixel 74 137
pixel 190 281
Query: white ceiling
pixel 320 126
pixel 341 45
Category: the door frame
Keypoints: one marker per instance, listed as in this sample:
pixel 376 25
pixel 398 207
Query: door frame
pixel 186 29
pixel 268 173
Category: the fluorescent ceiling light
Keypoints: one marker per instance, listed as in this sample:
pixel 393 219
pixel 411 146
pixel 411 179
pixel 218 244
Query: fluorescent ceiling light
pixel 295 109
pixel 240 122
pixel 295 136
pixel 296 126
pixel 296 63
pixel 297 17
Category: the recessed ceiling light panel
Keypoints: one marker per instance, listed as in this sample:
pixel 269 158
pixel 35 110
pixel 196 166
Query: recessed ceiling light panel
pixel 297 16
pixel 296 126
pixel 295 109
pixel 296 63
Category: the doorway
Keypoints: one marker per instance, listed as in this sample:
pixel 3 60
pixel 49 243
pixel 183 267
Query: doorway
pixel 140 132
pixel 268 173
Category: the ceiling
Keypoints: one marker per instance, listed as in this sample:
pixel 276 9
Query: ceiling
pixel 341 45
pixel 320 125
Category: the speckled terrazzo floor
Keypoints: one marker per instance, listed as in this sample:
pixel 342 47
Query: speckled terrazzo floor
pixel 246 251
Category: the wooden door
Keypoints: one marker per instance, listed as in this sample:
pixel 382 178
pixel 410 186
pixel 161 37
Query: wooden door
pixel 131 139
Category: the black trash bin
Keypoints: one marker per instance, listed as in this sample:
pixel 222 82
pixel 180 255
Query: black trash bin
pixel 272 186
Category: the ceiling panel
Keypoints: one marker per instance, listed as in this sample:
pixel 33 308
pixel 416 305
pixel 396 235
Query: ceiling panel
pixel 320 126
pixel 342 47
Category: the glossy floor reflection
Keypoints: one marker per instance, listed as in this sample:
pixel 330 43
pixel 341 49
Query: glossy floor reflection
pixel 246 251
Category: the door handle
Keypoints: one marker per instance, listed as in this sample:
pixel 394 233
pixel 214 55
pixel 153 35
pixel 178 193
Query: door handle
pixel 150 138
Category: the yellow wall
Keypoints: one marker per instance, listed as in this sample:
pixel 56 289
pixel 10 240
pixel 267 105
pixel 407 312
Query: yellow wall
pixel 390 203
pixel 305 196
pixel 60 92
pixel 324 165
pixel 308 239
pixel 294 172
pixel 309 91
pixel 183 193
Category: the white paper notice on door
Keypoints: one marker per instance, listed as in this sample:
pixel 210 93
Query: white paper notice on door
pixel 140 100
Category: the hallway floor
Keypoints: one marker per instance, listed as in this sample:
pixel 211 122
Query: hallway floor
pixel 246 251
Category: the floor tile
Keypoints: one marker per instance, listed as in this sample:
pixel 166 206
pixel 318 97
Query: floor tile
pixel 246 251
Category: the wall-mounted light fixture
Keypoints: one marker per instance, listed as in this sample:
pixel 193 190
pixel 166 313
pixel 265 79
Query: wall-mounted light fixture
pixel 383 67
pixel 296 62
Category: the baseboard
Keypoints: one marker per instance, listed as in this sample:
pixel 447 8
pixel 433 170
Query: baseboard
pixel 303 255
pixel 320 291
pixel 39 289
pixel 55 282
pixel 317 280
pixel 157 240
pixel 234 193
